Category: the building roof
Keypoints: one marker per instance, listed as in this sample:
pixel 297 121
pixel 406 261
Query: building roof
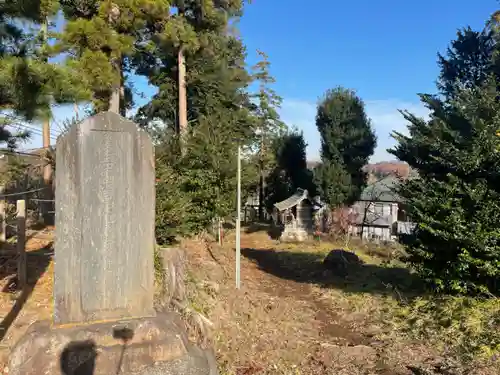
pixel 296 198
pixel 293 200
pixel 383 190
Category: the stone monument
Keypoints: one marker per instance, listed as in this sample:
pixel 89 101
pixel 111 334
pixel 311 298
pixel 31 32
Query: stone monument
pixel 104 222
pixel 104 321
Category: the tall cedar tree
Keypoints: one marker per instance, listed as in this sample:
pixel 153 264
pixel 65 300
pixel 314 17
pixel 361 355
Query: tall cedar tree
pixel 218 114
pixel 456 198
pixel 470 59
pixel 216 78
pixel 347 142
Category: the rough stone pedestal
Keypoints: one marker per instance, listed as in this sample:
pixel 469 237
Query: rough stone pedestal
pixel 147 346
pixel 294 235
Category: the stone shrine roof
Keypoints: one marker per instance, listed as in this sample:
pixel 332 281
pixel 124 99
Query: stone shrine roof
pixel 295 199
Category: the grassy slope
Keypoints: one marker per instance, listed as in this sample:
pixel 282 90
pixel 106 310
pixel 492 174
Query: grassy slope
pixel 291 317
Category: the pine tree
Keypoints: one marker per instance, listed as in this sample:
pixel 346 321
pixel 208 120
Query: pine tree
pixel 103 37
pixel 455 199
pixel 28 83
pixel 347 142
pixel 9 138
pixel 216 78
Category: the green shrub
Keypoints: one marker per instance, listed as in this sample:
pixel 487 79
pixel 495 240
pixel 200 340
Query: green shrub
pixel 463 326
pixel 455 201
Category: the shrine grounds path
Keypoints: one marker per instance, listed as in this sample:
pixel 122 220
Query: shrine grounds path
pixel 293 317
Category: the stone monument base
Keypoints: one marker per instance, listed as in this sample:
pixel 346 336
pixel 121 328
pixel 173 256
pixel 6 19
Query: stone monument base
pixel 296 235
pixel 145 346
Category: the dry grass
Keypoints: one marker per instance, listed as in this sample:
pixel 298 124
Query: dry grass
pixel 20 308
pixel 291 317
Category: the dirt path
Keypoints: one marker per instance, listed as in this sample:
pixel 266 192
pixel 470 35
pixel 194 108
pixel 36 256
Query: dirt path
pixel 281 321
pixel 279 326
pixel 20 307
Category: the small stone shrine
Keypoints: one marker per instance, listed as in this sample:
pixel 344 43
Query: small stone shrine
pixel 295 215
pixel 104 321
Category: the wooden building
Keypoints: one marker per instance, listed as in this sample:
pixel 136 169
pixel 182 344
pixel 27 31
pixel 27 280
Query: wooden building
pixel 380 212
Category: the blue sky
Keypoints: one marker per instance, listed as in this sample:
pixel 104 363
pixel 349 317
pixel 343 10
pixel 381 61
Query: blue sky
pixel 385 50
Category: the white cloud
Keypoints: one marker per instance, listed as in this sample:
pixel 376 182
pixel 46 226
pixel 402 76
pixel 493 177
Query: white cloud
pixel 383 113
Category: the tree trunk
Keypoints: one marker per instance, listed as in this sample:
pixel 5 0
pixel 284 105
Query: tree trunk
pixel 182 115
pixel 117 98
pixel 47 167
pixel 114 100
pixel 123 105
pixel 45 206
pixel 262 180
pixel 261 193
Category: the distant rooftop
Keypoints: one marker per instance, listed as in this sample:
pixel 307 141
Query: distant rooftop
pixel 382 190
pixel 312 164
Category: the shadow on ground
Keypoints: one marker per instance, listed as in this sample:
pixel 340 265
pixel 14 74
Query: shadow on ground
pixel 273 231
pixel 37 263
pixel 304 267
pixel 79 358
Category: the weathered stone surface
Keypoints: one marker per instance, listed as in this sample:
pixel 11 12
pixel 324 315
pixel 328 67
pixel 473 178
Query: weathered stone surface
pixel 137 346
pixel 104 322
pixel 173 263
pixel 105 198
pixel 187 365
pixel 294 235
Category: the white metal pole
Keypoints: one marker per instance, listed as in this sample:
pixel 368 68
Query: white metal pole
pixel 238 222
